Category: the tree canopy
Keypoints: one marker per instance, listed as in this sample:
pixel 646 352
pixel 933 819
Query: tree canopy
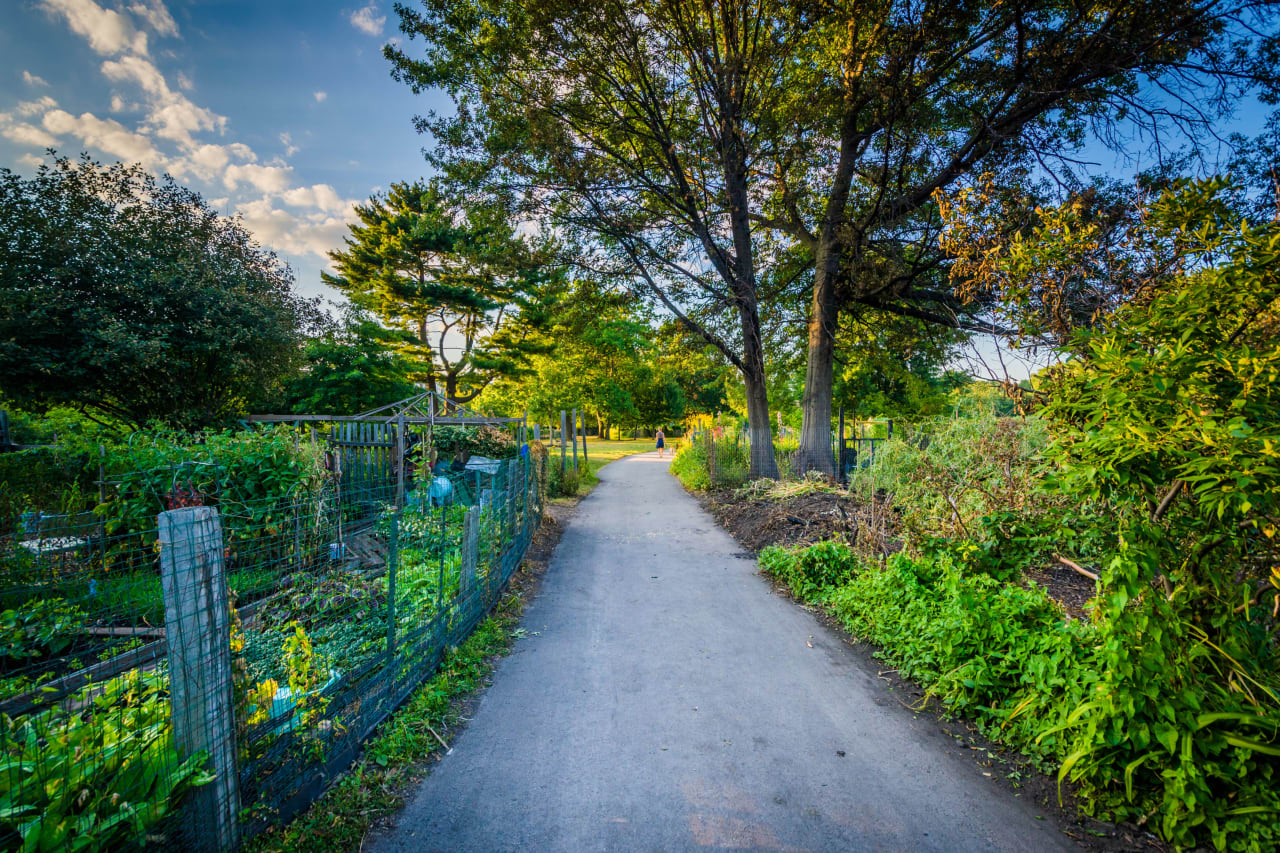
pixel 129 296
pixel 461 279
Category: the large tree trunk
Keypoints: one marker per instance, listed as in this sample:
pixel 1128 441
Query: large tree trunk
pixel 759 431
pixel 814 453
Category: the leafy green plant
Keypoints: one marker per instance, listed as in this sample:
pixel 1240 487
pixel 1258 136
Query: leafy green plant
pixel 42 627
pixel 811 573
pixel 563 484
pixel 97 779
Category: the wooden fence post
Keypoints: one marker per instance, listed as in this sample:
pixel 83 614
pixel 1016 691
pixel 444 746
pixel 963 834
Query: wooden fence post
pixel 470 552
pixel 574 428
pixel 537 432
pixel 585 462
pixel 197 619
pixel 563 426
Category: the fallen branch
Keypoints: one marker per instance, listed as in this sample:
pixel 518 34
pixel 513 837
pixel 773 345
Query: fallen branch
pixel 1076 567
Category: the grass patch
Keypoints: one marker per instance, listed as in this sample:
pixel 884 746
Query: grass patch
pixel 393 758
pixel 599 454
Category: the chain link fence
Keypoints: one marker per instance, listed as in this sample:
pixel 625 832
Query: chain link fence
pixel 189 683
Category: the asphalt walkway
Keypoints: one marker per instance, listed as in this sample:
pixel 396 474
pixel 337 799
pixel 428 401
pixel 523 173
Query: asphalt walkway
pixel 666 699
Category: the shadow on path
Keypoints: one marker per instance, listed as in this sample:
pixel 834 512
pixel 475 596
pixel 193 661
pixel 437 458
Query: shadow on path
pixel 666 699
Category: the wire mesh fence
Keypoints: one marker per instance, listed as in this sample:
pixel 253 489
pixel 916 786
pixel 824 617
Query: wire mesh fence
pixel 186 683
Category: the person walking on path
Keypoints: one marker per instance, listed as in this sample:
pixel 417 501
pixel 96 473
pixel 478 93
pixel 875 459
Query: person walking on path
pixel 662 442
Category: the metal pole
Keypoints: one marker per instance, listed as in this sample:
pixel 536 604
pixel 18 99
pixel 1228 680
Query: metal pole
pixel 840 448
pixel 400 466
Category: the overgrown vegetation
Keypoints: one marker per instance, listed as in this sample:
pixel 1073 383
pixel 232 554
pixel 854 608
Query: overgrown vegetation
pixel 1155 461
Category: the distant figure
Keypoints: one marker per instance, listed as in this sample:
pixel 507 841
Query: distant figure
pixel 662 442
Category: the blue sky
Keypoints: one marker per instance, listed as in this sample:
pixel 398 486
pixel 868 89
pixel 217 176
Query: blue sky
pixel 283 112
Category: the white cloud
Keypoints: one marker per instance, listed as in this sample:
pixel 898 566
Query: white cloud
pixel 320 196
pixel 40 105
pixel 25 134
pixel 31 160
pixel 32 80
pixel 106 135
pixel 289 148
pixel 184 82
pixel 156 16
pixel 107 31
pixel 267 179
pixel 171 115
pixel 367 20
pixel 320 96
pixel 315 234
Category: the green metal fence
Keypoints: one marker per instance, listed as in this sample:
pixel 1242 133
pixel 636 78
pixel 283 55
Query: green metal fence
pixel 188 684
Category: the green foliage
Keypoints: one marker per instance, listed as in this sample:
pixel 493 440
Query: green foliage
pixel 1170 417
pixel 97 779
pixel 42 627
pixel 455 277
pixel 488 441
pixel 811 573
pixel 708 463
pixel 952 477
pixel 351 368
pixel 563 483
pixel 132 297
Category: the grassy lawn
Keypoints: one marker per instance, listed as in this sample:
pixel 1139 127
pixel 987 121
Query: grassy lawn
pixel 600 454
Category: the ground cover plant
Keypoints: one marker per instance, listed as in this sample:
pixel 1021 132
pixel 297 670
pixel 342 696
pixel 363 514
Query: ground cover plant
pixel 1153 464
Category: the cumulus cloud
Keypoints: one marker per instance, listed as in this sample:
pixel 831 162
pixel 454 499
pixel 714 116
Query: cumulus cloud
pixel 171 114
pixel 24 133
pixel 40 105
pixel 106 135
pixel 107 31
pixel 267 179
pixel 32 80
pixel 156 16
pixel 301 234
pixel 367 20
pixel 31 160
pixel 320 196
pixel 173 134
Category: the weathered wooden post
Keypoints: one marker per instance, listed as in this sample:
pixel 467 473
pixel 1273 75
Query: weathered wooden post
pixel 470 553
pixel 563 426
pixel 585 462
pixel 537 432
pixel 197 619
pixel 574 427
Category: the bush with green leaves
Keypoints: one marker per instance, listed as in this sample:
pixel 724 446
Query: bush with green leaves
pixel 488 441
pixel 100 778
pixel 811 573
pixel 563 483
pixel 42 627
pixel 707 463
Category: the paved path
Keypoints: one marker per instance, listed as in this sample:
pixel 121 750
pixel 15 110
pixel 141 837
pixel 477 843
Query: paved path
pixel 666 699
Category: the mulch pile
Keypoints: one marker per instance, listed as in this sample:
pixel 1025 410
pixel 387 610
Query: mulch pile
pixel 800 520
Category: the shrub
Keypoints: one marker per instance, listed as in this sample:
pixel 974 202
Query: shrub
pixel 476 441
pixel 563 483
pixel 811 573
pixel 708 463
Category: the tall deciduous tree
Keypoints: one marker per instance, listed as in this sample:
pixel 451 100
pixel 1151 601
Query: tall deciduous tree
pixel 913 97
pixel 631 125
pixel 129 296
pixel 471 290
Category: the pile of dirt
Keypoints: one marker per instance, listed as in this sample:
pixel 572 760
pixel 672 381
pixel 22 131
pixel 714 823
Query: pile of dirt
pixel 1070 589
pixel 799 520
